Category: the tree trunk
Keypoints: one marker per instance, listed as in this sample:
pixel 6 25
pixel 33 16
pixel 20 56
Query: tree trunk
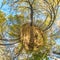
pixel 31 42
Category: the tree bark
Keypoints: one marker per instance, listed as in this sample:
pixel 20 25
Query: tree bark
pixel 31 42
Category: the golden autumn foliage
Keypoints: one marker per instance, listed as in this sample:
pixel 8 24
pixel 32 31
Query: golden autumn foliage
pixel 38 38
pixel 30 36
pixel 2 17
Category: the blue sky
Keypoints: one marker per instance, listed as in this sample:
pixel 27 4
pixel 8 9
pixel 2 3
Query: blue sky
pixel 58 41
pixel 6 9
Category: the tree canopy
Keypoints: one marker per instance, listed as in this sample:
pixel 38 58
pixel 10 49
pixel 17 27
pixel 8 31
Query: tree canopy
pixel 31 29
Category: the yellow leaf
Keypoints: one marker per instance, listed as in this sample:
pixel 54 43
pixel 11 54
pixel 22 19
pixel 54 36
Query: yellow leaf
pixel 47 21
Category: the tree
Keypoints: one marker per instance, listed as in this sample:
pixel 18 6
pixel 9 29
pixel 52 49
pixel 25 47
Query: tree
pixel 49 14
pixel 52 8
pixel 2 21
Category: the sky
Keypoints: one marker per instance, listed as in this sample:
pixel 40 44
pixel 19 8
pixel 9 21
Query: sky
pixel 6 9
